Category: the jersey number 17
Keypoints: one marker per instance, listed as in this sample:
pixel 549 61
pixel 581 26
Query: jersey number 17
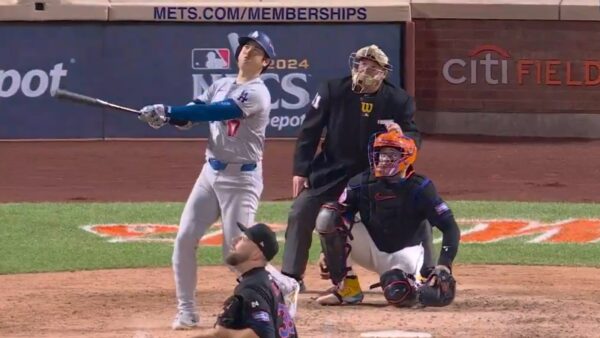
pixel 232 127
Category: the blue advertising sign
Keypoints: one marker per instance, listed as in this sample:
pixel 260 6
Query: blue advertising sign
pixel 35 58
pixel 135 64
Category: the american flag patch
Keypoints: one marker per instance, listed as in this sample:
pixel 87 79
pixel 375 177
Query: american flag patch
pixel 441 208
pixel 316 100
pixel 261 316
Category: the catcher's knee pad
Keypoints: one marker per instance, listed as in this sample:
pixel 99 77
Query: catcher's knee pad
pixel 398 288
pixel 333 234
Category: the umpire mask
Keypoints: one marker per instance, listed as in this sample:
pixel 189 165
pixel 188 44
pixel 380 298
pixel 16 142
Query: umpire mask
pixel 369 67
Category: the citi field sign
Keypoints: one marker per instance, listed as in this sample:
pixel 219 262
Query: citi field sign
pixel 497 67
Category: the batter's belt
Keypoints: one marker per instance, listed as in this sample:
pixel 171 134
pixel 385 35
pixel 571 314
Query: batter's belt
pixel 218 165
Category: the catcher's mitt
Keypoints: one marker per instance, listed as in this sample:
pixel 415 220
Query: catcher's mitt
pixel 233 313
pixel 439 289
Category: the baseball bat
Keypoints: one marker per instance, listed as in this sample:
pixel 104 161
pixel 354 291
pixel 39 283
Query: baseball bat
pixel 80 98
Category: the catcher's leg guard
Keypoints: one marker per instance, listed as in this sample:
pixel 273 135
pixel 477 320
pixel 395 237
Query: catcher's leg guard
pixel 333 234
pixel 398 288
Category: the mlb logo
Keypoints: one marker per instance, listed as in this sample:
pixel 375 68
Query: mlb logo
pixel 210 58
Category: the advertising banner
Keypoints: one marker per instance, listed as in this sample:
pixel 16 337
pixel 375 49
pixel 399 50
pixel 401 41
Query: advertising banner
pixel 135 64
pixel 499 66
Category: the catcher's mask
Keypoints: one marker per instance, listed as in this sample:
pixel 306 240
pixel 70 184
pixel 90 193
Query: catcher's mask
pixel 391 154
pixel 369 67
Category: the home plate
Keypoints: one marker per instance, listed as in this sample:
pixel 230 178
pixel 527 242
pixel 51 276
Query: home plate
pixel 395 333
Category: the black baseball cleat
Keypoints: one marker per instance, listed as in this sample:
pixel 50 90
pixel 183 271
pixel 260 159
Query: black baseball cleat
pixel 302 286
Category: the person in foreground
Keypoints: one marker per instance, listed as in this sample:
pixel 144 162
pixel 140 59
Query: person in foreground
pixel 231 180
pixel 257 307
pixel 392 201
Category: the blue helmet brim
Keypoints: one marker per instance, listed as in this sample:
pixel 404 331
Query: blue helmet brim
pixel 244 40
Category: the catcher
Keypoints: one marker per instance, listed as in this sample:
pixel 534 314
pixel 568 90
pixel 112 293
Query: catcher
pixel 374 224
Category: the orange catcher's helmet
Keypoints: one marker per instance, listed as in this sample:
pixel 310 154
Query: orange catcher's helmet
pixel 392 153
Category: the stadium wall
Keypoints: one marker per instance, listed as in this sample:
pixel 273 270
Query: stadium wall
pixel 136 53
pixel 508 68
pixel 487 67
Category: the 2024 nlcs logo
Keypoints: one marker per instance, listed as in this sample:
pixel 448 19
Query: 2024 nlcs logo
pixel 291 92
pixel 211 58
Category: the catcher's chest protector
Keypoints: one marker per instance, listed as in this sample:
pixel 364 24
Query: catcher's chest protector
pixel 390 213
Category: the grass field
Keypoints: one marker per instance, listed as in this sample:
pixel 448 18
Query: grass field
pixel 40 237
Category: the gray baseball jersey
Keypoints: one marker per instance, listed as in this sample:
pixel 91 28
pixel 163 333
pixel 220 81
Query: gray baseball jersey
pixel 230 183
pixel 239 140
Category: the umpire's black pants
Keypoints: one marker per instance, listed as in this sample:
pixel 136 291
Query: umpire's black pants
pixel 300 226
pixel 301 223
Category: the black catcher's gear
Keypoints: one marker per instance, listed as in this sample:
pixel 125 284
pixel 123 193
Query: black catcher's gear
pixel 333 234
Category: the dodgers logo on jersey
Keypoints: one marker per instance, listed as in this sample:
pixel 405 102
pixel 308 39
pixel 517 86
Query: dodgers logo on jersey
pixel 211 58
pixel 243 96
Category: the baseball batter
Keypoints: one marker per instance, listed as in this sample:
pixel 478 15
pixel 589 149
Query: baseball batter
pixel 230 183
pixel 391 201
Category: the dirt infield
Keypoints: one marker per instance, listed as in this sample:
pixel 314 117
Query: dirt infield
pixel 492 301
pixel 474 168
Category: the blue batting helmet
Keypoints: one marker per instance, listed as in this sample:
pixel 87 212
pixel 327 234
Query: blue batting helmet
pixel 259 37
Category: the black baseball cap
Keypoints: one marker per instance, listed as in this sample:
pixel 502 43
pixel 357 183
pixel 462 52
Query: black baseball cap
pixel 263 236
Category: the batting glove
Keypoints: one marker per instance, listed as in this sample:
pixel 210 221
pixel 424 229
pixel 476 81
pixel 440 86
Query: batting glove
pixel 155 115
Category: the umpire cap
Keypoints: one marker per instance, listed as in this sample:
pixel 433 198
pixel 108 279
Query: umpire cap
pixel 259 37
pixel 263 236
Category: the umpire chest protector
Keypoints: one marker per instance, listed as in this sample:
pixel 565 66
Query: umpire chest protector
pixel 391 211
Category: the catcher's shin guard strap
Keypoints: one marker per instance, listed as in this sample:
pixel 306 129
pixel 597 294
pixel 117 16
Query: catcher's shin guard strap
pixel 335 250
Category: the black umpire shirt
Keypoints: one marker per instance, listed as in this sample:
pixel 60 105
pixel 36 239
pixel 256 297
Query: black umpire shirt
pixel 349 120
pixel 257 304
